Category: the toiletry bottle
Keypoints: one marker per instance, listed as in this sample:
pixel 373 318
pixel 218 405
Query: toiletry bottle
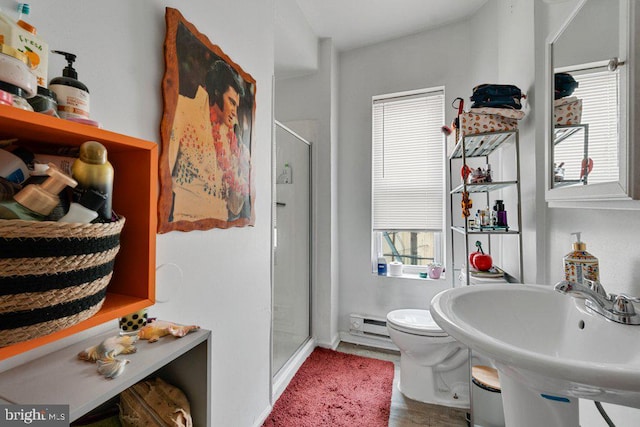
pixel 501 214
pixel 580 264
pixel 73 95
pixel 35 202
pixel 85 210
pixel 382 266
pixel 40 174
pixel 93 171
pixel 23 37
pixel 485 217
pixel 13 164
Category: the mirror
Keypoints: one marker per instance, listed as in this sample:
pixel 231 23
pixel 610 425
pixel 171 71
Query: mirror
pixel 588 87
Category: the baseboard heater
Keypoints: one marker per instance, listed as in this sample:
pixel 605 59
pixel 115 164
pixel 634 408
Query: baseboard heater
pixel 369 326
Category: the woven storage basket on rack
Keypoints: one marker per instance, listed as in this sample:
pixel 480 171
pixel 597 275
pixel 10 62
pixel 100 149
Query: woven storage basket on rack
pixel 52 275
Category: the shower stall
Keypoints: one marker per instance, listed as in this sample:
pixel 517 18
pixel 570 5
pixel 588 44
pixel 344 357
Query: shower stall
pixel 291 288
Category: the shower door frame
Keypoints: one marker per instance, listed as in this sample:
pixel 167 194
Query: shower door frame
pixel 286 372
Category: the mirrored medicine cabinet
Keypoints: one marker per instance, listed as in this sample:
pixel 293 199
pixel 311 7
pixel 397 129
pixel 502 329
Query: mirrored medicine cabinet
pixel 592 156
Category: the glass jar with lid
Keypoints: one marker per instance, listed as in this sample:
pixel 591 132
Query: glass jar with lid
pixel 19 100
pixel 45 102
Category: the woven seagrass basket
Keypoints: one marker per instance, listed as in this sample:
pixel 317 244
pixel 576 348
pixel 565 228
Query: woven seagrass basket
pixel 52 275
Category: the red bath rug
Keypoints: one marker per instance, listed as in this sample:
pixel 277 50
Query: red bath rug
pixel 336 389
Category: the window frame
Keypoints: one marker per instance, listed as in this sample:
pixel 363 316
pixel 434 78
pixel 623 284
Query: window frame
pixel 439 253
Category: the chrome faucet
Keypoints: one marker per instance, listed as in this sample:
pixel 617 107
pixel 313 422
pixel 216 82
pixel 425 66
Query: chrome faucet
pixel 618 308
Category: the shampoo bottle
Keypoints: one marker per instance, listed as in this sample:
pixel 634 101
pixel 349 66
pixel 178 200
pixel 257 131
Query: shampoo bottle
pixel 72 95
pixel 93 171
pixel 580 264
pixel 14 164
pixel 36 201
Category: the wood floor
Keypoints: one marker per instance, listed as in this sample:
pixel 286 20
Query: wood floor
pixel 406 412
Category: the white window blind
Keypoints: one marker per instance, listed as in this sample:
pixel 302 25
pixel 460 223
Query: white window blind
pixel 408 162
pixel 599 94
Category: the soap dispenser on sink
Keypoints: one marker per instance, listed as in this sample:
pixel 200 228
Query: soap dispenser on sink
pixel 580 264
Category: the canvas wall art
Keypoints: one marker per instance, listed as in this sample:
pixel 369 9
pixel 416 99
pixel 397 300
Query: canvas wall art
pixel 206 174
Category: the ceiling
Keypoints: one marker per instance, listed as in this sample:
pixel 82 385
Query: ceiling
pixel 356 23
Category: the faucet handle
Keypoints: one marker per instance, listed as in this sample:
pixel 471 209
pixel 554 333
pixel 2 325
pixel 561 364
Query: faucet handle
pixel 623 304
pixel 595 286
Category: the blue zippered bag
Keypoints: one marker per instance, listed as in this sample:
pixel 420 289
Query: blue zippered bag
pixel 496 96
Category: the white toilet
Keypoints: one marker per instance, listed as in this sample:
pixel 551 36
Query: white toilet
pixel 433 366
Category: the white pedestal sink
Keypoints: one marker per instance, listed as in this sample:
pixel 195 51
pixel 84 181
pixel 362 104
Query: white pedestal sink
pixel 548 348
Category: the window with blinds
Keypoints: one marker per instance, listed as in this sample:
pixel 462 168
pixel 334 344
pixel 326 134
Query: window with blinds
pixel 408 175
pixel 599 94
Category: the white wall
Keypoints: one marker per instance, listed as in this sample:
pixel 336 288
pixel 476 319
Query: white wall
pixel 121 59
pixel 516 59
pixel 441 57
pixel 296 46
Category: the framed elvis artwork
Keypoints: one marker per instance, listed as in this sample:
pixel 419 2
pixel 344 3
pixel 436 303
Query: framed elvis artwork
pixel 206 175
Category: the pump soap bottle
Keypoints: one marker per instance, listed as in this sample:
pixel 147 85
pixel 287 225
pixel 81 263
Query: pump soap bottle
pixel 36 201
pixel 73 95
pixel 93 171
pixel 580 264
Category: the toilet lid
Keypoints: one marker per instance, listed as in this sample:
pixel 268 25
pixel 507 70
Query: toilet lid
pixel 418 322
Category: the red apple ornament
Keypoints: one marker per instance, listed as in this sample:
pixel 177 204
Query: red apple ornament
pixel 472 257
pixel 481 261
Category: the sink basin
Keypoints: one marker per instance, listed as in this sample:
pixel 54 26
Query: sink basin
pixel 549 349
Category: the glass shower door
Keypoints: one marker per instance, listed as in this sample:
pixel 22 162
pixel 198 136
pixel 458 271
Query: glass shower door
pixel 291 287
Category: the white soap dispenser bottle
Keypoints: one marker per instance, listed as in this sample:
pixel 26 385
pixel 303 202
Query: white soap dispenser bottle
pixel 580 264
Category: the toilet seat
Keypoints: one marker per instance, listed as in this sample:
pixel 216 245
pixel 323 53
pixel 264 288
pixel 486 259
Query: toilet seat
pixel 413 321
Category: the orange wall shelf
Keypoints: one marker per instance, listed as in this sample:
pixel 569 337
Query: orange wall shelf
pixel 135 190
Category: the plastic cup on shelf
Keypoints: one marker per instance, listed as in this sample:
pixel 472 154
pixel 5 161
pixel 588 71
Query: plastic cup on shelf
pixel 132 323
